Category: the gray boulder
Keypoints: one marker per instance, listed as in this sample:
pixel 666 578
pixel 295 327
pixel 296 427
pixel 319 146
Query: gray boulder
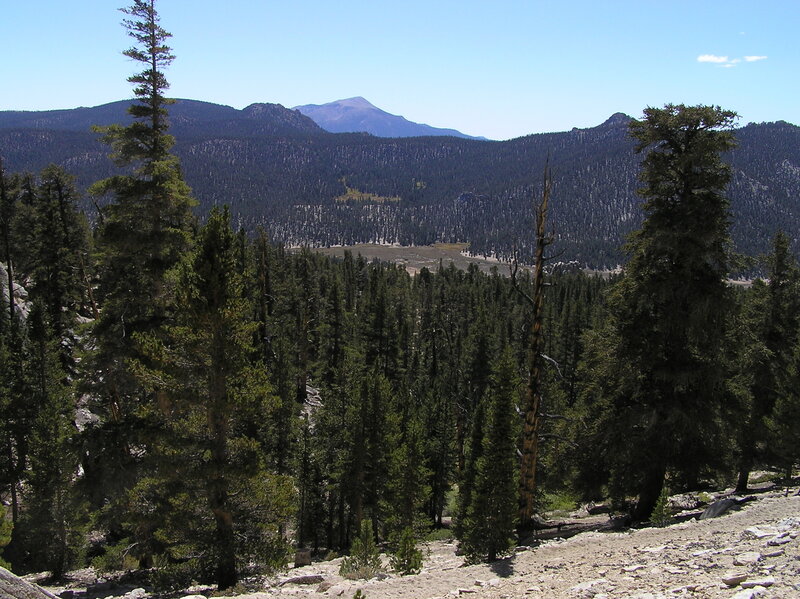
pixel 718 508
pixel 14 587
pixel 302 557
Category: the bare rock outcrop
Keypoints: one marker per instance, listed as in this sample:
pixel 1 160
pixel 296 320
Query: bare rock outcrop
pixel 14 587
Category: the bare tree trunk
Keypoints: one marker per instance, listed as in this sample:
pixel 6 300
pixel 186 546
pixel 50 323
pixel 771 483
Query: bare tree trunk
pixel 530 434
pixel 649 491
pixel 743 477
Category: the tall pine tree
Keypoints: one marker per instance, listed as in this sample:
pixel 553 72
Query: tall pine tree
pixel 143 233
pixel 487 530
pixel 670 308
pixel 766 341
pixel 51 526
pixel 214 402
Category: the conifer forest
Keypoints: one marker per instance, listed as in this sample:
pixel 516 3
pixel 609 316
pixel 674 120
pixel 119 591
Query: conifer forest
pixel 182 395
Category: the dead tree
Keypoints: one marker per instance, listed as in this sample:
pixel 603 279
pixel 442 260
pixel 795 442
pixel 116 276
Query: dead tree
pixel 533 397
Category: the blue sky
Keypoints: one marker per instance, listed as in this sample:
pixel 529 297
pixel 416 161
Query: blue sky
pixel 498 68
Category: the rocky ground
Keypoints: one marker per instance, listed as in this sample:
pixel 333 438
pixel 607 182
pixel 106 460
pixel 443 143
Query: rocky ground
pixel 750 552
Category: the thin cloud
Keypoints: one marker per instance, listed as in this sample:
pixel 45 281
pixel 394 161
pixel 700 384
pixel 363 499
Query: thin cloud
pixel 712 58
pixel 725 62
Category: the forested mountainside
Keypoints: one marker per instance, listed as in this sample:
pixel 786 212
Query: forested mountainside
pixel 278 169
pixel 187 118
pixel 191 400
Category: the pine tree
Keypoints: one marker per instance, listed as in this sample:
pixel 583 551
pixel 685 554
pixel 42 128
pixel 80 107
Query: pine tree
pixel 533 401
pixel 783 424
pixel 364 560
pixel 146 227
pixel 17 414
pixel 770 363
pixel 274 345
pixel 661 514
pixel 468 480
pixel 151 208
pixel 55 236
pixel 335 448
pixel 406 491
pixel 367 451
pixel 407 559
pixel 7 210
pixel 144 231
pixel 670 308
pixel 213 401
pixel 488 529
pixel 430 386
pixel 51 526
pixel 771 322
pixel 10 375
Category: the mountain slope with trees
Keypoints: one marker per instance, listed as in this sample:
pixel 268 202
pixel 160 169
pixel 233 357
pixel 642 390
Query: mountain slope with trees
pixel 277 169
pixel 191 402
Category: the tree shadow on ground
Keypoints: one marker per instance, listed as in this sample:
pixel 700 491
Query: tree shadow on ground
pixel 503 567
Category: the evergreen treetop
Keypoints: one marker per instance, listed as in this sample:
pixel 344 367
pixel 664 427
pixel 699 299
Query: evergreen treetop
pixel 152 207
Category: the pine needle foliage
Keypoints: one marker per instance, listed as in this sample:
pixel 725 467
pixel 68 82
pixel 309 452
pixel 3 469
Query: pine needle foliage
pixel 211 492
pixel 53 522
pixel 6 528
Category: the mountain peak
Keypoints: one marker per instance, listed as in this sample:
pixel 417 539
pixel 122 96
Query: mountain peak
pixel 617 119
pixel 353 115
pixel 356 102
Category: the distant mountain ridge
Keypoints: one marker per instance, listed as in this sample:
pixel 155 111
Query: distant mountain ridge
pixel 186 118
pixel 278 169
pixel 355 115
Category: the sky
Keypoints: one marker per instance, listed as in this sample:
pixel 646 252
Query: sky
pixel 495 68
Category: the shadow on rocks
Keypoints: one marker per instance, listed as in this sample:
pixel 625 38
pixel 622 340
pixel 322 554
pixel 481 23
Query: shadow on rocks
pixel 503 567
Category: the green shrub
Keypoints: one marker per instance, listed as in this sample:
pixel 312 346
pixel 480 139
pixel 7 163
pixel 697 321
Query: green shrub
pixel 451 502
pixel 562 501
pixel 175 576
pixel 364 560
pixel 661 514
pixel 6 526
pixel 116 557
pixel 704 497
pixel 407 559
pixel 439 534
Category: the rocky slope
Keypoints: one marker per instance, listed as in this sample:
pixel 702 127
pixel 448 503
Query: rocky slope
pixel 752 552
